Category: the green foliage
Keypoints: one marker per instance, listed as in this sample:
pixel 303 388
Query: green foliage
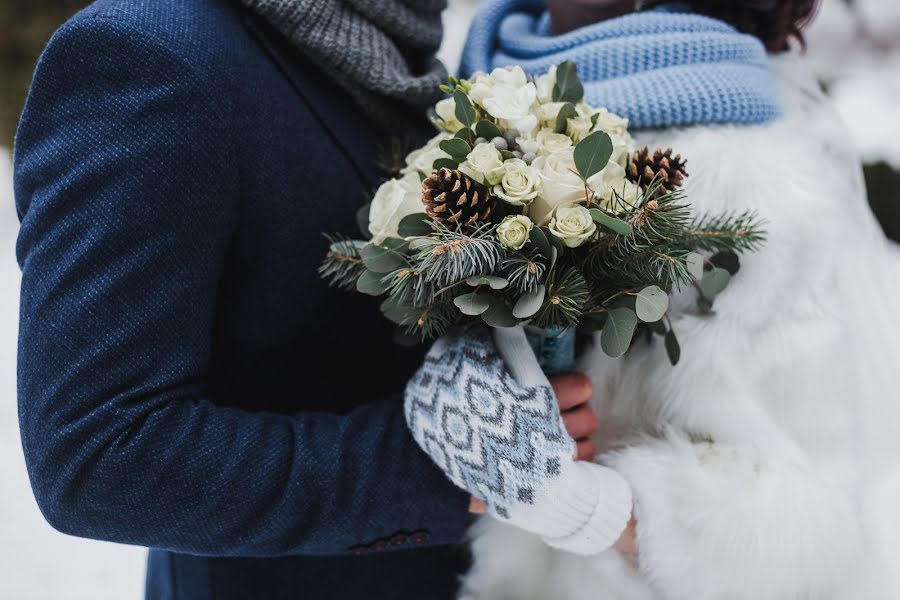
pixel 618 331
pixel 592 154
pixel 457 148
pixel 465 112
pixel 568 86
pixel 343 264
pixel 564 303
pixel 567 111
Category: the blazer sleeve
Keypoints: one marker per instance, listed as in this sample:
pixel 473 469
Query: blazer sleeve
pixel 127 192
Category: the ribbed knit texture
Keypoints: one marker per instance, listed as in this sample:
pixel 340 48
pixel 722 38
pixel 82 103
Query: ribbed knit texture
pixel 381 52
pixel 658 68
pixel 490 421
pixel 186 380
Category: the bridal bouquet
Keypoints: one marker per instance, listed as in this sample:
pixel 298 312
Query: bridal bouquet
pixel 530 206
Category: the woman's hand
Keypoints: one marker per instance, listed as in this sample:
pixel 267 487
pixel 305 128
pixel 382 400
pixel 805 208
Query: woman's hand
pixel 627 543
pixel 573 392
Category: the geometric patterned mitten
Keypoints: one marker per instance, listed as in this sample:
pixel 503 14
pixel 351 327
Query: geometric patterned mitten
pixel 490 420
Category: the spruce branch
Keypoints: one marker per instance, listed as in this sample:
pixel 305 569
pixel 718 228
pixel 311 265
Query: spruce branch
pixel 449 255
pixel 524 273
pixel 564 303
pixel 343 264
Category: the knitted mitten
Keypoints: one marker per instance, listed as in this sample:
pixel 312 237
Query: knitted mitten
pixel 488 417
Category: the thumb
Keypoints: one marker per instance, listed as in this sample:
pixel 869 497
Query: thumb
pixel 517 353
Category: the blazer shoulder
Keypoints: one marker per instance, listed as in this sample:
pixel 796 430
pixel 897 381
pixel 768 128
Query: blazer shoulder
pixel 204 33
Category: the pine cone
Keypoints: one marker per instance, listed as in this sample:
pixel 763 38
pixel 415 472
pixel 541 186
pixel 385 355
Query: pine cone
pixel 454 198
pixel 662 165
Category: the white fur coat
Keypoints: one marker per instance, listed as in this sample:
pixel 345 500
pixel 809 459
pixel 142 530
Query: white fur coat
pixel 752 461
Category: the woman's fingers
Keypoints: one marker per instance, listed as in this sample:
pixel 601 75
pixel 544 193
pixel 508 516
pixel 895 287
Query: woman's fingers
pixel 572 390
pixel 584 450
pixel 580 422
pixel 476 506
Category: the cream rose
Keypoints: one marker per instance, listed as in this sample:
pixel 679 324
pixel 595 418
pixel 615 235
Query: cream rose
pixel 395 199
pixel 550 142
pixel 560 184
pixel 544 84
pixel 446 112
pixel 513 231
pixel 422 159
pixel 519 185
pixel 484 164
pixel 573 225
pixel 508 96
pixel 617 129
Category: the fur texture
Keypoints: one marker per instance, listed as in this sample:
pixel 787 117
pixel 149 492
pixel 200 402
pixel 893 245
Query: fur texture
pixel 752 461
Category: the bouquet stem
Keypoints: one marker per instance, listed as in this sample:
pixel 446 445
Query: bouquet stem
pixel 554 348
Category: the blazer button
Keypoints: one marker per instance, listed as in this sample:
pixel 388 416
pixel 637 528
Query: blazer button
pixel 379 545
pixel 399 540
pixel 419 536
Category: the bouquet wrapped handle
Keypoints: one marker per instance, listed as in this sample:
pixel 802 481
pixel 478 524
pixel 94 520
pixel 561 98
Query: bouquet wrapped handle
pixel 554 347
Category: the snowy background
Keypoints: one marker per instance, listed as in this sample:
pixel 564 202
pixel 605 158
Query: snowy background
pixel 857 55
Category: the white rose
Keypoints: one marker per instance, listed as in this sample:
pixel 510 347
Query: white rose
pixel 609 122
pixel 579 128
pixel 446 112
pixel 394 200
pixel 519 184
pixel 513 231
pixel 422 159
pixel 573 225
pixel 484 164
pixel 550 142
pixel 614 181
pixel 508 96
pixel 548 112
pixel 560 184
pixel 544 84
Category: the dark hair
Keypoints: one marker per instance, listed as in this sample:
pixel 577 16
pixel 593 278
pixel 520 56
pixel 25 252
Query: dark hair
pixel 774 22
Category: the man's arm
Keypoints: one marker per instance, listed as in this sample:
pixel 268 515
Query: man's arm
pixel 127 189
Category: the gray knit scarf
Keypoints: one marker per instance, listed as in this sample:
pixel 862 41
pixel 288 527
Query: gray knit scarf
pixel 381 52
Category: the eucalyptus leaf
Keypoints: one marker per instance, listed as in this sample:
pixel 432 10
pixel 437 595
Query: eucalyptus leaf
pixel 592 154
pixel 465 134
pixel 373 284
pixel 659 328
pixel 714 282
pixel 529 303
pixel 539 239
pixel 495 283
pixel 695 263
pixel 457 149
pixel 499 315
pixel 386 257
pixel 417 224
pixel 567 111
pixel 613 224
pixel 401 314
pixel 488 130
pixel 465 112
pixel 445 163
pixel 618 331
pixel 673 348
pixel 568 86
pixel 651 304
pixel 473 303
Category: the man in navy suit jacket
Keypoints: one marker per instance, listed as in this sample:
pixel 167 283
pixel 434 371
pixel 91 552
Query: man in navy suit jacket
pixel 186 380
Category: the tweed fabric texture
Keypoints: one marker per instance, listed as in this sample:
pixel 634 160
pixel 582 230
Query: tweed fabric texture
pixel 657 68
pixel 381 52
pixel 501 438
pixel 172 181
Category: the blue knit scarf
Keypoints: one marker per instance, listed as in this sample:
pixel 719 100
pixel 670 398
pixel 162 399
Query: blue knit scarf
pixel 658 68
